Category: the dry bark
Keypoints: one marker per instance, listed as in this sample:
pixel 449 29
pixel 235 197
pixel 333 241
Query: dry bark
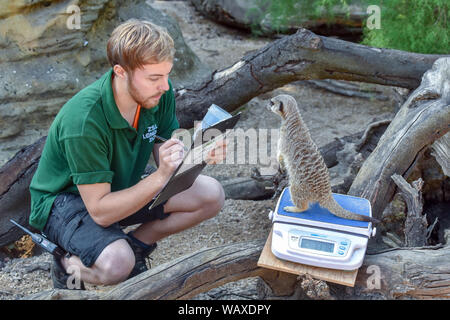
pixel 16 176
pixel 238 14
pixel 301 56
pixel 416 222
pixel 423 118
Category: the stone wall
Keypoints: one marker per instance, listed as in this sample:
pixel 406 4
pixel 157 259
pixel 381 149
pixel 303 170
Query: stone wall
pixel 49 50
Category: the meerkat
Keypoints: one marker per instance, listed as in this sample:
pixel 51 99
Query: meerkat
pixel 308 175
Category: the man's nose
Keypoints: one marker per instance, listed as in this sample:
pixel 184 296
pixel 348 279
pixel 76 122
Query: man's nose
pixel 164 84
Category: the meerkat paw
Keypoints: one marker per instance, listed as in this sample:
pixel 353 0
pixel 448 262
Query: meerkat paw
pixel 294 209
pixel 303 207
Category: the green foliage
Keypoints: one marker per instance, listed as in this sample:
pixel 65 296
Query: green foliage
pixel 410 25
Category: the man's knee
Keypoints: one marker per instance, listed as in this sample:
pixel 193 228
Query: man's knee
pixel 213 198
pixel 115 262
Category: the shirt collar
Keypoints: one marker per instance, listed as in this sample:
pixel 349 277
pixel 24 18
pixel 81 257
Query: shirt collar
pixel 112 113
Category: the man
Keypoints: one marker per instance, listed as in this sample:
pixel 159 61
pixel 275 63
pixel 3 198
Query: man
pixel 88 183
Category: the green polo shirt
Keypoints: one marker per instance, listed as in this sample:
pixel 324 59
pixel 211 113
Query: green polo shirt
pixel 90 142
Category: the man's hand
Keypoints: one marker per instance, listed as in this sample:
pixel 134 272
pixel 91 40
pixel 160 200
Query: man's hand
pixel 171 154
pixel 218 153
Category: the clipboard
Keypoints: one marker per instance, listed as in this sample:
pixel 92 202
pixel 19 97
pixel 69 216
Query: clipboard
pixel 184 180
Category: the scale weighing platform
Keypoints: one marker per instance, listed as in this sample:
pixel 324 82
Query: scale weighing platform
pixel 318 238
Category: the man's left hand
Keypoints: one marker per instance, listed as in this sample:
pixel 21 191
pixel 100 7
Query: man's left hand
pixel 218 153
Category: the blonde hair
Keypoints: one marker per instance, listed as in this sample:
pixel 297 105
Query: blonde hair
pixel 135 43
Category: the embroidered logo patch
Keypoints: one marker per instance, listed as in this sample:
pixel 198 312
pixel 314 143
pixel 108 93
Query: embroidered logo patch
pixel 150 134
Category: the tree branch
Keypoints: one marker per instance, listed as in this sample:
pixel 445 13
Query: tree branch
pixel 301 56
pixel 422 119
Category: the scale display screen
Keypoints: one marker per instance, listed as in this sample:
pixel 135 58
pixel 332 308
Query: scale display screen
pixel 316 245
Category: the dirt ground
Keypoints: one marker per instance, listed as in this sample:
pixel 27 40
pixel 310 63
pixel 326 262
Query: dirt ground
pixel 327 115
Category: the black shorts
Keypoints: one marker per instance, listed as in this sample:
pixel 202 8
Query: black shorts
pixel 70 226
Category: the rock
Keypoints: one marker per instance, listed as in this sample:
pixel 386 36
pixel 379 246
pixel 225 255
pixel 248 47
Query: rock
pixel 46 57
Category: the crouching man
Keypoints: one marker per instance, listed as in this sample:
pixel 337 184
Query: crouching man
pixel 88 183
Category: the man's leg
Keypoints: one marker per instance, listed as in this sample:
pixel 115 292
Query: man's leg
pixel 112 266
pixel 203 200
pixel 105 251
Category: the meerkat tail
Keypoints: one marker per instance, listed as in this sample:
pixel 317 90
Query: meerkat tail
pixel 337 210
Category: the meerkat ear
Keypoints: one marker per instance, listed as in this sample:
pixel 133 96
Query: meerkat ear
pixel 281 107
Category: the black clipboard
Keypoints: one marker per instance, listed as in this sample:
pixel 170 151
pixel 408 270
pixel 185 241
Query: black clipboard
pixel 180 182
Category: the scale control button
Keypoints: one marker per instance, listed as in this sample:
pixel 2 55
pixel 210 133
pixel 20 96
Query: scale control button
pixel 342 248
pixel 341 252
pixel 344 243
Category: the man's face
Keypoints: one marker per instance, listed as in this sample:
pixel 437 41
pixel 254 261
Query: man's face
pixel 146 85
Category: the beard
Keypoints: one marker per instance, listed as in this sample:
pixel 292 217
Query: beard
pixel 146 103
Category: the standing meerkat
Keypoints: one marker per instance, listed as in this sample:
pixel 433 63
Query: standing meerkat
pixel 308 175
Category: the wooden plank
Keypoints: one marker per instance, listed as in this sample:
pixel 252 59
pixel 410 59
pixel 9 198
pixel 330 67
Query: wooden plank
pixel 268 260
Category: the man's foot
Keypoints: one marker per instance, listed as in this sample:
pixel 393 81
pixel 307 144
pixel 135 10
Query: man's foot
pixel 141 253
pixel 60 277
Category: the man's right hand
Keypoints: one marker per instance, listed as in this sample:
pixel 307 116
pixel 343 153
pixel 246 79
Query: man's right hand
pixel 171 154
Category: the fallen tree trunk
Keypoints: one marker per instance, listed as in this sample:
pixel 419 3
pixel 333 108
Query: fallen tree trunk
pixel 409 273
pixel 416 221
pixel 247 15
pixel 15 177
pixel 348 89
pixel 423 118
pixel 301 56
pixel 247 189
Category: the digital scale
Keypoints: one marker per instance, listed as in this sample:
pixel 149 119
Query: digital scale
pixel 318 238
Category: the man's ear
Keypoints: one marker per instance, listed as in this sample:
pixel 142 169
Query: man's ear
pixel 119 71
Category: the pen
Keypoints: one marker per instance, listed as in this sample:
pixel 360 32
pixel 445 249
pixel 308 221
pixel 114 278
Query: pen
pixel 164 140
pixel 160 138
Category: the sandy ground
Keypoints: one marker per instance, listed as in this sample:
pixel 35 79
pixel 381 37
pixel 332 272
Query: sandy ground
pixel 327 115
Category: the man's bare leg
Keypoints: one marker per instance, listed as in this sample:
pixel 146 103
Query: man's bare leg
pixel 112 266
pixel 203 200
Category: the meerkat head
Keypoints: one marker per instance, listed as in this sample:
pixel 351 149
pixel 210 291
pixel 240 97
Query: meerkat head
pixel 281 104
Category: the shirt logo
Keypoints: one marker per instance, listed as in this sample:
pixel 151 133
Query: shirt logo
pixel 150 134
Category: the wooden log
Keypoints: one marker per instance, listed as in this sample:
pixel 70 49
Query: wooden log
pixel 414 273
pixel 181 278
pixel 416 222
pixel 248 15
pixel 406 273
pixel 244 188
pixel 423 118
pixel 301 56
pixel 441 151
pixel 348 89
pixel 15 177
